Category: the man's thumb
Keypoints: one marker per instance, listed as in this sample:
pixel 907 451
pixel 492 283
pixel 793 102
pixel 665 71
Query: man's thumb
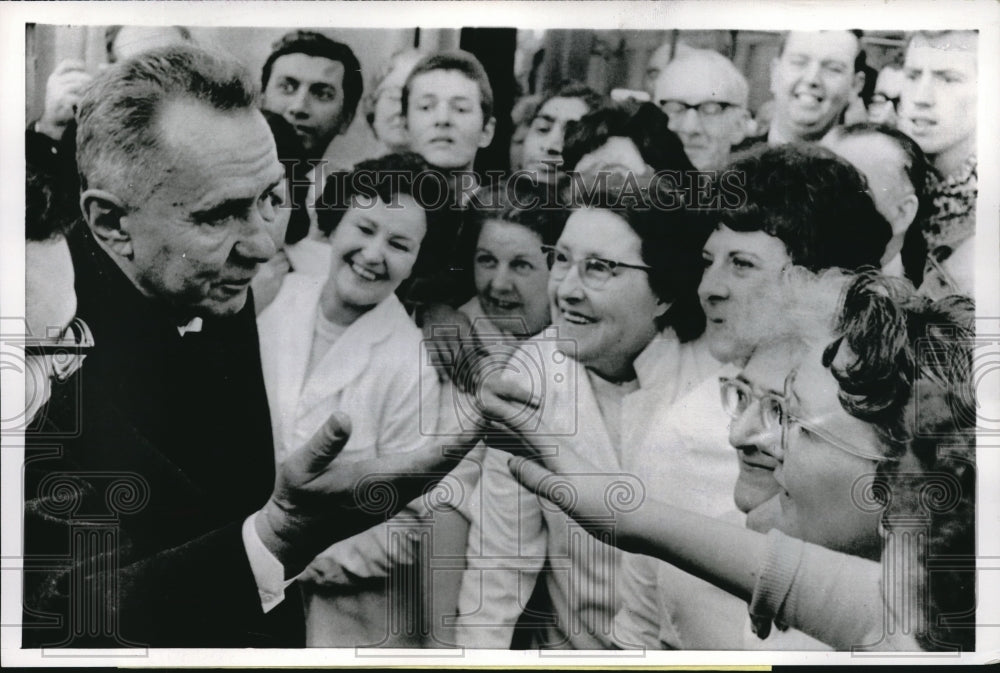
pixel 328 441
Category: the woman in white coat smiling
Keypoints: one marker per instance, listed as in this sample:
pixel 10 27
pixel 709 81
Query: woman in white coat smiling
pixel 345 342
pixel 621 289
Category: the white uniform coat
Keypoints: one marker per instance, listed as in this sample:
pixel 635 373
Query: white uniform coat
pixel 373 373
pixel 518 540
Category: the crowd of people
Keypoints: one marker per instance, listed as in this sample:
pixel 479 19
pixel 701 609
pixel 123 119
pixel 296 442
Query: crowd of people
pixel 678 379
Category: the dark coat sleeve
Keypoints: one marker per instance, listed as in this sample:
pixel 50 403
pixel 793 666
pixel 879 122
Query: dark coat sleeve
pixel 121 552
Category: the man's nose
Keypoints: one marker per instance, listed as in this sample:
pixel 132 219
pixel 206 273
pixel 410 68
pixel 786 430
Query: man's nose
pixel 688 121
pixel 553 141
pixel 922 91
pixel 256 245
pixel 300 105
pixel 442 115
pixel 810 73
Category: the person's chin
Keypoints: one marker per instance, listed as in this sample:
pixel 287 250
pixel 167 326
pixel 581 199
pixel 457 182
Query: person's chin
pixel 226 301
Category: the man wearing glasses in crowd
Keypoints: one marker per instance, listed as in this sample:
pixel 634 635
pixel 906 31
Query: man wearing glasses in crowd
pixel 705 97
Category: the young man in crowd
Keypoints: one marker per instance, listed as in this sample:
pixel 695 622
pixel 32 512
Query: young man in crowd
pixel 938 109
pixel 543 143
pixel 172 408
pixel 705 97
pixel 315 84
pixel 448 104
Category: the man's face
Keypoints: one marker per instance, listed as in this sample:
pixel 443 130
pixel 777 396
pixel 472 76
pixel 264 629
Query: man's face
pixel 739 290
pixel 50 304
pixel 197 240
pixel 543 144
pixel 883 164
pixel 445 119
pixel 888 86
pixel 308 91
pixel 759 446
pixel 939 99
pixel 813 80
pixel 707 137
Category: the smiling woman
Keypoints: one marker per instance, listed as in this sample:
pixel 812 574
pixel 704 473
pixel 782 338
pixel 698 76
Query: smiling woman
pixel 621 289
pixel 855 453
pixel 333 343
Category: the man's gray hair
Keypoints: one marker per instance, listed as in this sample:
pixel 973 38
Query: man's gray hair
pixel 118 145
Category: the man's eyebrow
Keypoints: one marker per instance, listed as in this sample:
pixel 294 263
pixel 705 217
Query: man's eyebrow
pixel 221 211
pixel 948 71
pixel 545 118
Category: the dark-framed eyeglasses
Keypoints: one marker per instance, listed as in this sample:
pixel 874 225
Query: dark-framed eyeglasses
pixel 594 272
pixel 788 419
pixel 66 353
pixel 882 99
pixel 738 395
pixel 708 108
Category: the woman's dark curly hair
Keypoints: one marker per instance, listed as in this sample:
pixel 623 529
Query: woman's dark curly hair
pixel 909 373
pixel 644 124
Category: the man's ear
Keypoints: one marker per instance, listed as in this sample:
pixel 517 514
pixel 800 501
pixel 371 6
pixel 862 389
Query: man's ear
pixel 906 211
pixel 487 135
pixel 104 213
pixel 859 82
pixel 662 307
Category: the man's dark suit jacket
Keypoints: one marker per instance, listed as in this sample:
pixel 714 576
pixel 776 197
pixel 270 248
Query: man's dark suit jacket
pixel 139 476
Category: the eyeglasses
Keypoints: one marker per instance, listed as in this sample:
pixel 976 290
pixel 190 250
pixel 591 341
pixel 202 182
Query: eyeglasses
pixel 882 99
pixel 737 396
pixel 594 272
pixel 67 353
pixel 788 418
pixel 709 108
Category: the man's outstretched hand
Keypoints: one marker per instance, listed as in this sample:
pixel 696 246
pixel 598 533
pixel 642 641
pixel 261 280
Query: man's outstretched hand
pixel 318 500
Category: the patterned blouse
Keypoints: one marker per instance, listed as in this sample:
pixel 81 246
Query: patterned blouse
pixel 953 212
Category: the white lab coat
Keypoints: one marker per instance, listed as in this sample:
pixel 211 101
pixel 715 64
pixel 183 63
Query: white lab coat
pixel 373 373
pixel 518 539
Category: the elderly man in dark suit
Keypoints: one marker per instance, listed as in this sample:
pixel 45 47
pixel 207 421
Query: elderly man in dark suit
pixel 147 472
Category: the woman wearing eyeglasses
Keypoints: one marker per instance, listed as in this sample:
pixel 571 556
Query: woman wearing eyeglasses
pixel 621 289
pixel 855 420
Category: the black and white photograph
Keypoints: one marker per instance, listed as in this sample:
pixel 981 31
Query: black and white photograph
pixel 511 334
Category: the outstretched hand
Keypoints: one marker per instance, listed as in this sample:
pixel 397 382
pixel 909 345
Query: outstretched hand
pixel 318 500
pixel 596 500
